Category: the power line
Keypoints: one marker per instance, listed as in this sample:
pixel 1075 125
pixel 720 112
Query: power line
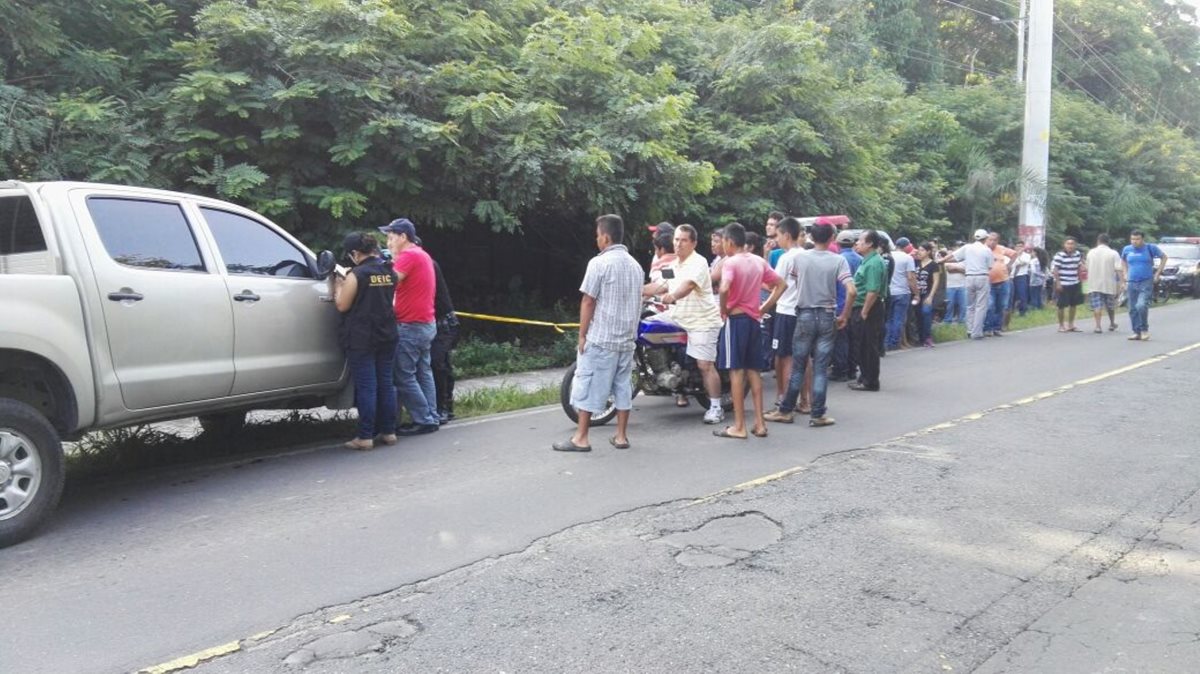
pixel 1116 73
pixel 972 9
pixel 940 59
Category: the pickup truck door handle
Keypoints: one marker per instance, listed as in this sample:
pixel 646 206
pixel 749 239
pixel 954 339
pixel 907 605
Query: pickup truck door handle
pixel 246 296
pixel 126 295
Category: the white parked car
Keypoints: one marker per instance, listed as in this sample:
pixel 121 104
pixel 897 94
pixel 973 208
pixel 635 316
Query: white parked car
pixel 123 305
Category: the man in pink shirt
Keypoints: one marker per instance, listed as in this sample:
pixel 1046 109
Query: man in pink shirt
pixel 415 326
pixel 739 347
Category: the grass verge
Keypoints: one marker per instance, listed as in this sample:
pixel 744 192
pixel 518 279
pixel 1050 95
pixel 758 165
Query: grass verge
pixel 505 399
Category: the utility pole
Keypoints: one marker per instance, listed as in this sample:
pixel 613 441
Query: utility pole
pixel 1021 18
pixel 1035 153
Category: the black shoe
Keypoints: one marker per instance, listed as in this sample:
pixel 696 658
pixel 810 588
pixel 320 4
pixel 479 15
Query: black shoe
pixel 859 386
pixel 419 429
pixel 443 417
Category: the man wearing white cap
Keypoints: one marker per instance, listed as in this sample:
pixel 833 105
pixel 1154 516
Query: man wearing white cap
pixel 977 258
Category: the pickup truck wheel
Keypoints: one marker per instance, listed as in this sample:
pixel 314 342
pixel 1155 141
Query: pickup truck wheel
pixel 224 425
pixel 32 470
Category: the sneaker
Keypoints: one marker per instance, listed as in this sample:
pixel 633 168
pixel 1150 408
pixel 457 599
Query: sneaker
pixel 818 422
pixel 780 417
pixel 714 415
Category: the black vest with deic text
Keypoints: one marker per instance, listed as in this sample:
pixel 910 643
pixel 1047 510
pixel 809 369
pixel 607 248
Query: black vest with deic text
pixel 371 321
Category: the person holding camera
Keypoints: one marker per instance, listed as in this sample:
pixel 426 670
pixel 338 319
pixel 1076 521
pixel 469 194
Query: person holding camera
pixel 363 294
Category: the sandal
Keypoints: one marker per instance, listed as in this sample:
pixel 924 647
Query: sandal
pixel 1098 331
pixel 756 434
pixel 682 401
pixel 569 445
pixel 1061 329
pixel 1073 329
pixel 724 433
pixel 619 445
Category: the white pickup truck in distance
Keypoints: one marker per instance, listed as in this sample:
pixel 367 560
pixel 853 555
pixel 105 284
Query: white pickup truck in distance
pixel 124 305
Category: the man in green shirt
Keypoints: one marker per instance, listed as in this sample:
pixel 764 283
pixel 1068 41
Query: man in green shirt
pixel 866 321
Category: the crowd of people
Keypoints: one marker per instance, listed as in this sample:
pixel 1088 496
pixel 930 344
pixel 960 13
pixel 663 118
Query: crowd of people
pixel 811 303
pixel 816 305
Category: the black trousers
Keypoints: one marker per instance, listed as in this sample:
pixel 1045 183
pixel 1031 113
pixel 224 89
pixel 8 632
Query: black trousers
pixel 866 337
pixel 443 371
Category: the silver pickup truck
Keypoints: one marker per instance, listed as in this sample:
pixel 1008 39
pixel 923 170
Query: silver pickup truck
pixel 124 305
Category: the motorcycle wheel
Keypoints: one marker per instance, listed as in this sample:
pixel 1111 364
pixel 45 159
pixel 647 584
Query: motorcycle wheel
pixel 564 396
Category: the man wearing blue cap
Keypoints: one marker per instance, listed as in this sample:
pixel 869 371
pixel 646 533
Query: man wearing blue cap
pixel 416 325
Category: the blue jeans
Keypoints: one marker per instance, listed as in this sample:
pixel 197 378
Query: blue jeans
pixel 1021 293
pixel 374 392
pixel 1037 295
pixel 1139 294
pixel 897 317
pixel 816 331
pixel 997 305
pixel 414 372
pixel 956 305
pixel 925 322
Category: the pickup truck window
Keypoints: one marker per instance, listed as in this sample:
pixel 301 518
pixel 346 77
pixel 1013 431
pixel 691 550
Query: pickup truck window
pixel 19 228
pixel 250 247
pixel 148 234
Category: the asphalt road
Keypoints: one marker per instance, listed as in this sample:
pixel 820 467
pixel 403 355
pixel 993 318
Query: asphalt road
pixel 139 572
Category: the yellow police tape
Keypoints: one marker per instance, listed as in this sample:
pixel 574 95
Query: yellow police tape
pixel 516 321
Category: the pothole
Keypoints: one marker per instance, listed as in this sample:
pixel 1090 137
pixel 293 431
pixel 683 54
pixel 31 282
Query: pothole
pixel 724 540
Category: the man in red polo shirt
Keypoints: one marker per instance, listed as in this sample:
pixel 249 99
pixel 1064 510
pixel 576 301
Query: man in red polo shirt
pixel 415 326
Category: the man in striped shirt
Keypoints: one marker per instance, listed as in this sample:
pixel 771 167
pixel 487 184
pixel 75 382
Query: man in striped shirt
pixel 1065 268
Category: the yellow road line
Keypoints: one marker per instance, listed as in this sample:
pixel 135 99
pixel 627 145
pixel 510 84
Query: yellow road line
pixel 189 661
pixel 756 482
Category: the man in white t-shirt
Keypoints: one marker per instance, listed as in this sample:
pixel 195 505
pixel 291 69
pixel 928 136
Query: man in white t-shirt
pixel 787 234
pixel 900 293
pixel 694 308
pixel 1020 278
pixel 1105 272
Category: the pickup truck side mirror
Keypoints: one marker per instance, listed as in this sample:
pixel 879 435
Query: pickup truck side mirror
pixel 325 264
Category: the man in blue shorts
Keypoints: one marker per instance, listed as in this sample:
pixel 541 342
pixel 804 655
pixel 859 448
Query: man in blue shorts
pixel 739 347
pixel 608 322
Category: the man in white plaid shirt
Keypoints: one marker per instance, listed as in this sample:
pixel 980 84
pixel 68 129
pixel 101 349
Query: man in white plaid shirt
pixel 608 321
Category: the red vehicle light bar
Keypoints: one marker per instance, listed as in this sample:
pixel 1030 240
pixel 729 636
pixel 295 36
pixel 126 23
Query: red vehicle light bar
pixel 838 221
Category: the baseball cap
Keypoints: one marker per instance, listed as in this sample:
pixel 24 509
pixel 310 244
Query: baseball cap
pixel 980 234
pixel 902 242
pixel 400 226
pixel 359 241
pixel 662 228
pixel 845 237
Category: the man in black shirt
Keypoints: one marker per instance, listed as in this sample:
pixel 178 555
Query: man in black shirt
pixel 443 345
